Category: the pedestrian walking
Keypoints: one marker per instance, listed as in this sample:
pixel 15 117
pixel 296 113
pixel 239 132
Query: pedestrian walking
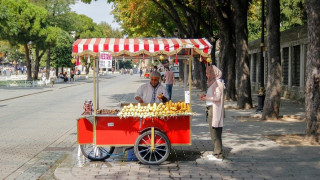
pixel 65 77
pixel 140 72
pixel 43 77
pixel 169 81
pixel 52 76
pixel 72 74
pixel 215 110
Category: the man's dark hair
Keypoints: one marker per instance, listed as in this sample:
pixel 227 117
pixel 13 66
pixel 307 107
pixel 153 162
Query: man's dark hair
pixel 155 67
pixel 167 68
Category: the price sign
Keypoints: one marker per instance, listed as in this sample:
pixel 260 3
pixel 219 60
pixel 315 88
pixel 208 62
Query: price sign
pixel 105 60
pixel 187 96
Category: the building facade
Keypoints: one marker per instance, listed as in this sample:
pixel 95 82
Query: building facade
pixel 293 43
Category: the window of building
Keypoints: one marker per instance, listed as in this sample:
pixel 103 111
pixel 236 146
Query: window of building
pixel 285 65
pixel 295 66
pixel 254 68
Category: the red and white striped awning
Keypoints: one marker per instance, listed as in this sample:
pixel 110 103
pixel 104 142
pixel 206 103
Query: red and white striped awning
pixel 135 47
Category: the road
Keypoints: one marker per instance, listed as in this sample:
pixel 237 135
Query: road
pixel 37 129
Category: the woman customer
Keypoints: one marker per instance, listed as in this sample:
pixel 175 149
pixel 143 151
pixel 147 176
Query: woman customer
pixel 215 109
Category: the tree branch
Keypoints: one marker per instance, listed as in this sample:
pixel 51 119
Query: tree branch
pixel 174 16
pixel 194 13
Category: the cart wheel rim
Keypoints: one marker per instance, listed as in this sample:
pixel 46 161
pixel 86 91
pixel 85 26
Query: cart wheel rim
pixel 144 151
pixel 96 153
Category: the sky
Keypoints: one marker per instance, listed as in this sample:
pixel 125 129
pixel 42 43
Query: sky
pixel 98 10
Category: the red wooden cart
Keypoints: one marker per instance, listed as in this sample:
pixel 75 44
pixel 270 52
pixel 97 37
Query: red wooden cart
pixel 152 138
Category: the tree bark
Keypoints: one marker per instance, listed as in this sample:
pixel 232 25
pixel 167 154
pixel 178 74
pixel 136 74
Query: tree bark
pixel 48 62
pixel 242 59
pixel 36 65
pixel 203 83
pixel 312 95
pixel 196 73
pixel 26 50
pixel 181 69
pixel 228 56
pixel 273 93
pixel 224 14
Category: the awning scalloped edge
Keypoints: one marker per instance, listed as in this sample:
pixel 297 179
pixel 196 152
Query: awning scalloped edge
pixel 123 52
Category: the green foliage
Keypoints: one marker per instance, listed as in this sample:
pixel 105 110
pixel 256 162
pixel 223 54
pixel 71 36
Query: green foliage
pixel 54 7
pixel 13 53
pixel 109 32
pixel 61 54
pixel 22 22
pixel 87 1
pixel 125 64
pixel 139 18
pixel 292 14
pixel 254 20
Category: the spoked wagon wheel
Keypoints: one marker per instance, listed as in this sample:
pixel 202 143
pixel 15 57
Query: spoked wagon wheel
pixel 146 153
pixel 96 153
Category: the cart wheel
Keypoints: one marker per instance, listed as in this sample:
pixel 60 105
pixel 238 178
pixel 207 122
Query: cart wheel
pixel 96 153
pixel 143 151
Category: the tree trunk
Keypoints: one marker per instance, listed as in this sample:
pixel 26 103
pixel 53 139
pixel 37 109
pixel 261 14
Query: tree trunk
pixel 57 71
pixel 181 70
pixel 196 73
pixel 228 59
pixel 242 59
pixel 312 95
pixel 88 66
pixel 48 62
pixel 26 50
pixel 36 65
pixel 213 52
pixel 224 14
pixel 273 93
pixel 203 78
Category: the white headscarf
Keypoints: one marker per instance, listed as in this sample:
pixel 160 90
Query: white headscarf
pixel 214 74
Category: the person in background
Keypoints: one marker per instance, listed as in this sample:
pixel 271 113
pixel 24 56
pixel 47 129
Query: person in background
pixel 215 110
pixel 153 91
pixel 65 77
pixel 52 76
pixel 140 72
pixel 72 74
pixel 169 81
pixel 43 77
pixel 155 68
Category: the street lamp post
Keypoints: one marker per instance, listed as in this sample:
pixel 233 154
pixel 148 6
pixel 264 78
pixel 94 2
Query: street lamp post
pixel 261 95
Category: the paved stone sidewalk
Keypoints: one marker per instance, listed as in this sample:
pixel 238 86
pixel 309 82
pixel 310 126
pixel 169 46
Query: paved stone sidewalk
pixel 249 154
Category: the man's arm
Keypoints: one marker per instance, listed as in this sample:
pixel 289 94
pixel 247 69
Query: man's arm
pixel 139 99
pixel 164 99
pixel 139 94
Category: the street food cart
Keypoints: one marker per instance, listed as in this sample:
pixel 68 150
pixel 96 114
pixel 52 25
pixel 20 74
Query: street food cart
pixel 150 128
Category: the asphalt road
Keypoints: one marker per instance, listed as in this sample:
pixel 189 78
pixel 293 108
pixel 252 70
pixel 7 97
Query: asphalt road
pixel 38 125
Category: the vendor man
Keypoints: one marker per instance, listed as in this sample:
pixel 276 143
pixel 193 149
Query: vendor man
pixel 153 91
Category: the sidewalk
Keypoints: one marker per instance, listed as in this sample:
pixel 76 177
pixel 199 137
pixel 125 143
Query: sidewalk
pixel 249 154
